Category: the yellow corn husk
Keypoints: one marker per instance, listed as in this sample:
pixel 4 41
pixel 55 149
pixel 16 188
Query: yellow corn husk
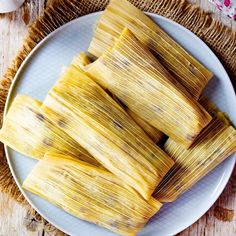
pixel 214 144
pixel 81 62
pixel 27 130
pixel 105 130
pixel 130 72
pixel 90 193
pixel 155 134
pixel 120 14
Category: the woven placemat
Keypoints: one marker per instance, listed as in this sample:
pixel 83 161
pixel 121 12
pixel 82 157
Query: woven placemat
pixel 218 37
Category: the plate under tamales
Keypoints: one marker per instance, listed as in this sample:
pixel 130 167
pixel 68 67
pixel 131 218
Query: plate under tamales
pixel 40 71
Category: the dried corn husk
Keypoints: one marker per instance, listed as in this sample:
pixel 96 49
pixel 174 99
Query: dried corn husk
pixel 81 61
pixel 213 145
pixel 104 129
pixel 130 72
pixel 151 131
pixel 28 131
pixel 119 14
pixel 90 193
pixel 155 134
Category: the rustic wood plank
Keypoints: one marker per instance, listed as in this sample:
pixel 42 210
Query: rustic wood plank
pixel 213 223
pixel 12 30
pixel 14 219
pixel 13 26
pixel 209 225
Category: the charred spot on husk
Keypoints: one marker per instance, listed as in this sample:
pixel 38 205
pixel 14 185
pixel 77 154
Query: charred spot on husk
pixel 40 116
pixel 47 141
pixel 153 155
pixel 149 43
pixel 125 218
pixel 114 224
pixel 61 123
pixel 83 209
pixel 117 124
pixel 200 163
pixel 178 187
pixel 125 62
pixel 217 151
pixel 26 129
pixel 192 68
pixel 157 108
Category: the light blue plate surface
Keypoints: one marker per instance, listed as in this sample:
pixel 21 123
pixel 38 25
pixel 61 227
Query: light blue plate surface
pixel 41 70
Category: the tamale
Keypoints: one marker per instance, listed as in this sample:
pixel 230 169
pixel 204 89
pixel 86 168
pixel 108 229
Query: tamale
pixel 216 142
pixel 130 72
pixel 28 131
pixel 81 61
pixel 104 129
pixel 120 14
pixel 90 193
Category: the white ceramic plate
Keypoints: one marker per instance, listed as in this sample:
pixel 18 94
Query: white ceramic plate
pixel 41 70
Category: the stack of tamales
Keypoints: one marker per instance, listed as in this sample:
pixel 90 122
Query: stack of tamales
pixel 186 69
pixel 90 193
pixel 101 126
pixel 133 74
pixel 113 138
pixel 216 142
pixel 120 14
pixel 156 135
pixel 28 130
pixel 95 133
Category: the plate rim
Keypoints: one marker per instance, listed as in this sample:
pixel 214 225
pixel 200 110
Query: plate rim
pixel 225 178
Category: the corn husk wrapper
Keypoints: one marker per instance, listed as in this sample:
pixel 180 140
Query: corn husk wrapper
pixel 90 193
pixel 104 129
pixel 151 131
pixel 213 145
pixel 81 61
pixel 155 134
pixel 120 14
pixel 130 72
pixel 27 130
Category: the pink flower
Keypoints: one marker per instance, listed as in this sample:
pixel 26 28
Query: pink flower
pixel 227 3
pixel 234 16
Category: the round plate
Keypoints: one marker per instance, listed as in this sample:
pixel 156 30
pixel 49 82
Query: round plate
pixel 40 71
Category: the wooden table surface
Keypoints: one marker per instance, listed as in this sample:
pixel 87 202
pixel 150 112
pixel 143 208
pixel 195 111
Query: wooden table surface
pixel 14 220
